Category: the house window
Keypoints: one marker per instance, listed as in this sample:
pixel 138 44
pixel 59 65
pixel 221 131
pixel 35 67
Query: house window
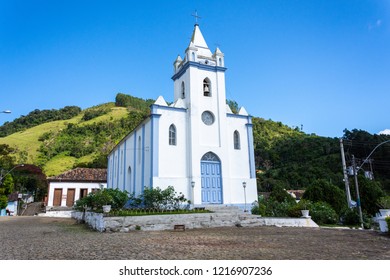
pixel 83 193
pixel 236 139
pixel 172 135
pixel 206 87
pixel 183 90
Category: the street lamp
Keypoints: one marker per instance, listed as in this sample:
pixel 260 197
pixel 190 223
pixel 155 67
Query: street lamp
pixel 244 186
pixel 3 176
pixel 355 171
pixel 192 188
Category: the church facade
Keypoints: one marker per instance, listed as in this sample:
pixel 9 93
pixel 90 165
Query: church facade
pixel 196 144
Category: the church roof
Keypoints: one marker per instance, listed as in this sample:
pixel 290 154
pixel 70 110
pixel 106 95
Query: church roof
pixel 81 175
pixel 198 41
pixel 179 103
pixel 243 112
pixel 197 38
pixel 228 109
pixel 161 101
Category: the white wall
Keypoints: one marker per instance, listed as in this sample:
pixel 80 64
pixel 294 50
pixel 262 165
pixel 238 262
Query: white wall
pixel 70 185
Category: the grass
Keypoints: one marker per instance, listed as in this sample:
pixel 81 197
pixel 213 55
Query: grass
pixel 27 141
pixel 59 164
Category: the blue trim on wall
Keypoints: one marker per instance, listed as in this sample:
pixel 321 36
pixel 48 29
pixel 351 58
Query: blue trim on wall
pixel 251 152
pixel 143 159
pixel 154 108
pixel 239 117
pixel 108 172
pixel 135 161
pixel 199 66
pixel 113 170
pixel 151 151
pixel 154 151
pixel 155 146
pixel 124 168
pixel 119 158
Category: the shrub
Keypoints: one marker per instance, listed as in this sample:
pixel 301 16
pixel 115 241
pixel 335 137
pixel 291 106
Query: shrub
pixel 158 199
pixel 95 200
pixel 101 198
pixel 3 201
pixel 350 217
pixel 322 190
pixel 281 195
pixel 274 208
pixel 93 113
pixel 119 198
pixel 85 202
pixel 384 202
pixel 322 213
pixel 370 192
pixel 153 199
pixel 295 210
pixel 387 219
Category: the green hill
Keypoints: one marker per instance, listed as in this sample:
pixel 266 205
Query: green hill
pixel 39 144
pixel 284 156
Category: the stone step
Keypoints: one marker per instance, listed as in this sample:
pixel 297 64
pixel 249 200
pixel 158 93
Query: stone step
pixel 223 209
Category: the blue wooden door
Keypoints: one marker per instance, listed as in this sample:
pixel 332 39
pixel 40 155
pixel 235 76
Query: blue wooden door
pixel 211 182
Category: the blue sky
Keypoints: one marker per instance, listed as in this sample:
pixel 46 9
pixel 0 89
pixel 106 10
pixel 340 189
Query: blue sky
pixel 321 64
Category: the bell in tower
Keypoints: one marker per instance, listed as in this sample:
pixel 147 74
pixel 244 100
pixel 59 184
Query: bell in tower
pixel 206 88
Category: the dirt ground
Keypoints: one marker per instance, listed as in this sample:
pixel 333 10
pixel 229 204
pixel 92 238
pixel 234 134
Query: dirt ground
pixel 42 238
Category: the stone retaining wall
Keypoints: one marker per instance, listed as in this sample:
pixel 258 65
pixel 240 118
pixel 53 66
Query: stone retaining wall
pixel 103 223
pixel 57 214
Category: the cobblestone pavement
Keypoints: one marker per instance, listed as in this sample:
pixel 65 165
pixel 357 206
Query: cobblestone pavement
pixel 42 238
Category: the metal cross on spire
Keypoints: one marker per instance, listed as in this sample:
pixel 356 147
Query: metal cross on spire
pixel 195 15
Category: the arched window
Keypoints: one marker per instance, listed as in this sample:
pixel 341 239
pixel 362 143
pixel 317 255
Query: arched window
pixel 193 56
pixel 206 87
pixel 236 139
pixel 183 90
pixel 220 61
pixel 172 135
pixel 210 156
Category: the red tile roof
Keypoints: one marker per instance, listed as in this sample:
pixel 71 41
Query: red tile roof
pixel 81 175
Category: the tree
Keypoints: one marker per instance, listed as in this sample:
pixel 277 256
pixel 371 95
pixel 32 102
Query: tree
pixel 7 185
pixel 6 188
pixel 322 190
pixel 3 201
pixel 370 191
pixel 7 159
pixel 233 105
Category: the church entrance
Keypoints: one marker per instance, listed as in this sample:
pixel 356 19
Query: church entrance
pixel 211 183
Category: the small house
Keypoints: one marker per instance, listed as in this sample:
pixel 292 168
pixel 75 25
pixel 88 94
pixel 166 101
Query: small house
pixel 65 189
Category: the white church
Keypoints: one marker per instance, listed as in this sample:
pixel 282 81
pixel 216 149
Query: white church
pixel 196 144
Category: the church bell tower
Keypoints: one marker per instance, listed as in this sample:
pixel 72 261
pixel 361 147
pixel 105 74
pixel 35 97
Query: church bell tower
pixel 199 81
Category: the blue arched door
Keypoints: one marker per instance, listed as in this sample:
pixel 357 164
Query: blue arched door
pixel 211 184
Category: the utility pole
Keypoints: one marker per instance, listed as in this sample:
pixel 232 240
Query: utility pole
pixel 358 204
pixel 346 180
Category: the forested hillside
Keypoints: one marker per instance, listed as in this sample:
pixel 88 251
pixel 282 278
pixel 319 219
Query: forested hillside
pixel 284 157
pixel 38 117
pixel 294 160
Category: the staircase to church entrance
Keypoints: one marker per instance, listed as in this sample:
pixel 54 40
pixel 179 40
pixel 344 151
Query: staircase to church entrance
pixel 226 215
